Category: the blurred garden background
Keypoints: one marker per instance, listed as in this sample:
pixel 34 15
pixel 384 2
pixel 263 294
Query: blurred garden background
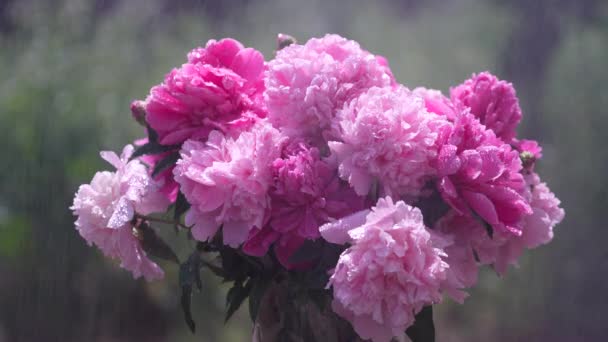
pixel 69 69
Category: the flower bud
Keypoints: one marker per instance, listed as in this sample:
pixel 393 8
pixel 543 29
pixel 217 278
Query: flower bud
pixel 527 159
pixel 284 40
pixel 138 110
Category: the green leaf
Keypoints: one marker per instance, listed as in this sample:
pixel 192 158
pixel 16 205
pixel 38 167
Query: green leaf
pixel 165 163
pixel 181 206
pixel 189 275
pixel 152 134
pixel 154 245
pixel 423 329
pixel 310 250
pixel 258 289
pixel 185 300
pixel 236 267
pixel 235 297
pixel 152 148
pixel 217 270
pixel 433 208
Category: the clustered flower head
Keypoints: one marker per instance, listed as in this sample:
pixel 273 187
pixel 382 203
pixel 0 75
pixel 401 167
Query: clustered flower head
pixel 307 84
pixel 106 208
pixel 318 162
pixel 393 269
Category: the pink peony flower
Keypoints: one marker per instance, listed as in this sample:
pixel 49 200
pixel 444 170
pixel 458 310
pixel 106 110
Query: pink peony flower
pixel 220 88
pixel 227 180
pixel 386 136
pixel 492 101
pixel 106 207
pixel 307 84
pixel 546 213
pixel 436 102
pixel 502 249
pixel 468 239
pixel 392 270
pixel 480 174
pixel 305 194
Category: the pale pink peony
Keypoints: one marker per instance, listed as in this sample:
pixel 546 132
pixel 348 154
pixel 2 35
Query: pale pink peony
pixel 307 84
pixel 106 207
pixel 480 174
pixel 220 88
pixel 393 269
pixel 227 180
pixel 386 136
pixel 492 101
pixel 305 194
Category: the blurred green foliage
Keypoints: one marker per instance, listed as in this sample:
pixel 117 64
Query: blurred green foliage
pixel 69 69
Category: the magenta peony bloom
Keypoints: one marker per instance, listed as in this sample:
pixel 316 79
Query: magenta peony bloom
pixel 436 102
pixel 546 213
pixel 502 249
pixel 392 270
pixel 106 207
pixel 492 101
pixel 386 136
pixel 480 174
pixel 307 84
pixel 306 193
pixel 468 239
pixel 227 180
pixel 537 227
pixel 220 88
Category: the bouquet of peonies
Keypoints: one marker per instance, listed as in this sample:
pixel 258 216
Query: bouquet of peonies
pixel 341 203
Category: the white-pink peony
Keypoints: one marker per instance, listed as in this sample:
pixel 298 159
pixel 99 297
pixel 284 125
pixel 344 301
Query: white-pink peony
pixel 106 207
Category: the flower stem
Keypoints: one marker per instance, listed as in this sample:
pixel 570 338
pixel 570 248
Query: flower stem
pixel 162 220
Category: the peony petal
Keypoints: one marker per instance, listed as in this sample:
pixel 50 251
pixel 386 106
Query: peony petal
pixel 337 231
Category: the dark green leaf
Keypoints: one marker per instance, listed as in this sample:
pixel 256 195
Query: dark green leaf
pixel 423 329
pixel 310 250
pixel 154 245
pixel 258 289
pixel 181 206
pixel 185 301
pixel 316 279
pixel 236 295
pixel 320 298
pixel 217 270
pixel 235 267
pixel 152 148
pixel 152 135
pixel 433 208
pixel 189 275
pixel 165 163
